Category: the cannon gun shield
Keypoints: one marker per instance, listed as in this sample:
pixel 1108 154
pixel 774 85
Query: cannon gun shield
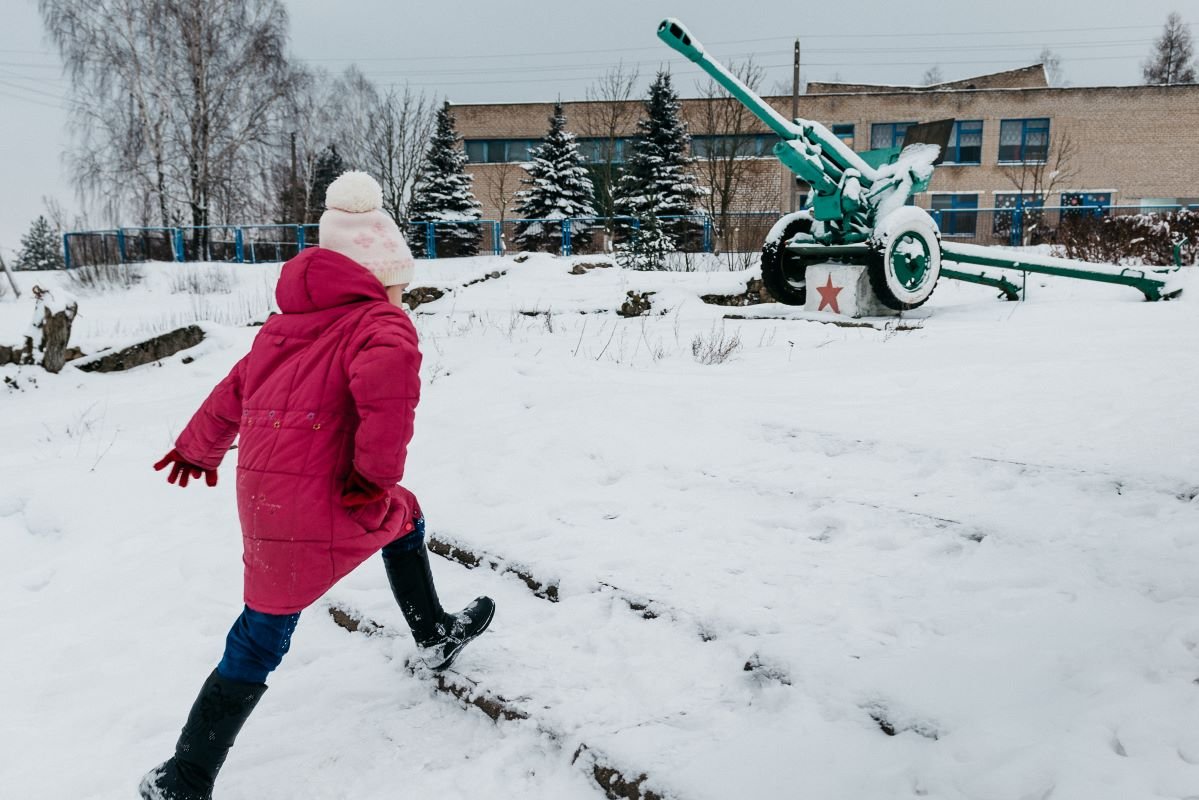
pixel 936 132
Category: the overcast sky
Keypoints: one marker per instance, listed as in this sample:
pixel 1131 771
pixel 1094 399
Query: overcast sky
pixel 521 51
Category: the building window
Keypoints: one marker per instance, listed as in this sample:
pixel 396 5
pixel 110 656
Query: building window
pixel 844 133
pixel 518 149
pixel 957 214
pixel 965 143
pixel 493 151
pixel 1023 140
pixel 1086 203
pixel 476 151
pixel 1005 223
pixel 888 134
pixel 749 145
pixel 601 150
pixel 1151 204
pixel 1005 200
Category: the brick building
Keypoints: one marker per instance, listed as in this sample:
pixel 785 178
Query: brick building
pixel 1123 145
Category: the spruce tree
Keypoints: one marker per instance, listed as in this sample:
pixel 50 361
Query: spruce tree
pixel 41 248
pixel 1172 53
pixel 658 180
pixel 443 194
pixel 647 247
pixel 329 165
pixel 558 188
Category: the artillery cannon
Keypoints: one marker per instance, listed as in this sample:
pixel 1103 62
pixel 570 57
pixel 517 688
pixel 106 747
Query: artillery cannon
pixel 858 213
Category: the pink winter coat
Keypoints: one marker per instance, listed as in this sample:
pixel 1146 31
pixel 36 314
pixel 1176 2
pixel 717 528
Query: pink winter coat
pixel 330 383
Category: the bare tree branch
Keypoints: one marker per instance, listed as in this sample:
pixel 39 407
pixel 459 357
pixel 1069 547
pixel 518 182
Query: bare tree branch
pixel 504 182
pixel 177 104
pixel 608 115
pixel 1039 179
pixel 725 154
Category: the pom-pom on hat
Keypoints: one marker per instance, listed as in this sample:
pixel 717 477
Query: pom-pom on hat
pixel 356 226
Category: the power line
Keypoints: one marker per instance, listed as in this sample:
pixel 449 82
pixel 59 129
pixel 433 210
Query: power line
pixel 564 78
pixel 29 65
pixel 32 91
pixel 973 48
pixel 65 103
pixel 40 82
pixel 593 68
pixel 1037 31
pixel 575 67
pixel 30 100
pixel 806 37
pixel 599 66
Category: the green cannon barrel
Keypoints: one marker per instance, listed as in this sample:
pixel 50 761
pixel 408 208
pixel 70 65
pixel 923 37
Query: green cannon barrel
pixel 824 146
pixel 676 35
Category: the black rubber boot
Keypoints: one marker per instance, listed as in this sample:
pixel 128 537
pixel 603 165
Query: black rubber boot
pixel 217 716
pixel 439 635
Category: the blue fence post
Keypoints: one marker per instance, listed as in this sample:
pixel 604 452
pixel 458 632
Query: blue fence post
pixel 566 237
pixel 66 251
pixel 430 241
pixel 300 243
pixel 497 232
pixel 707 234
pixel 177 243
pixel 121 243
pixel 1017 224
pixel 239 245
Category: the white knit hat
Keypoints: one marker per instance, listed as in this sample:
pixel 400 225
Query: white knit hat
pixel 356 226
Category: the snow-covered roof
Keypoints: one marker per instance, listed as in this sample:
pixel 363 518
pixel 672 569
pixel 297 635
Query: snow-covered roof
pixel 1030 77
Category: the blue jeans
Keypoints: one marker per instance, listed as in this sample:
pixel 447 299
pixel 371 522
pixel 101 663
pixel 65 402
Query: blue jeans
pixel 413 540
pixel 258 641
pixel 256 645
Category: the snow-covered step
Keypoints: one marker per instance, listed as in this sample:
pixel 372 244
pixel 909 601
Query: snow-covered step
pixel 643 606
pixel 610 778
pixel 648 694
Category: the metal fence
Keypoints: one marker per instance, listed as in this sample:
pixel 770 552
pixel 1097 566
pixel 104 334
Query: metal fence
pixel 249 244
pixel 246 244
pixel 736 233
pixel 1030 224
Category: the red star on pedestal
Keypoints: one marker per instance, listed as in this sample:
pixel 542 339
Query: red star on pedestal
pixel 828 296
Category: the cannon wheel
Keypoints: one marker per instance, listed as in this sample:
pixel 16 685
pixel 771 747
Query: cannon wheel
pixel 906 259
pixel 784 273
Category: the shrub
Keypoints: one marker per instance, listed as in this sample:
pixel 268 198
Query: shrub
pixel 715 347
pixel 200 280
pixel 101 277
pixel 1136 239
pixel 647 248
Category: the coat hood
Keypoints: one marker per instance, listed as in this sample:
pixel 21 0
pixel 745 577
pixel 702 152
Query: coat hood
pixel 319 278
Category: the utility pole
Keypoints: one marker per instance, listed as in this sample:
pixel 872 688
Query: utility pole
pixel 794 114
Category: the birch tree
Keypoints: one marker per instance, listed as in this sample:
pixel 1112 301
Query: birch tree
pixel 176 105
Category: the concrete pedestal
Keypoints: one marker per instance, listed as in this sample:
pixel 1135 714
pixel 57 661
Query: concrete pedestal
pixel 843 289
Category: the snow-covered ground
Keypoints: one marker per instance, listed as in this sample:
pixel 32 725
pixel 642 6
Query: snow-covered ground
pixel 981 534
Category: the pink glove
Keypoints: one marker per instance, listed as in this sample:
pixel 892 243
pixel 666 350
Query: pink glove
pixel 358 491
pixel 182 469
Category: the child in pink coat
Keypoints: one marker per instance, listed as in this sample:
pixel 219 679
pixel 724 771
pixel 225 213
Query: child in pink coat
pixel 323 406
